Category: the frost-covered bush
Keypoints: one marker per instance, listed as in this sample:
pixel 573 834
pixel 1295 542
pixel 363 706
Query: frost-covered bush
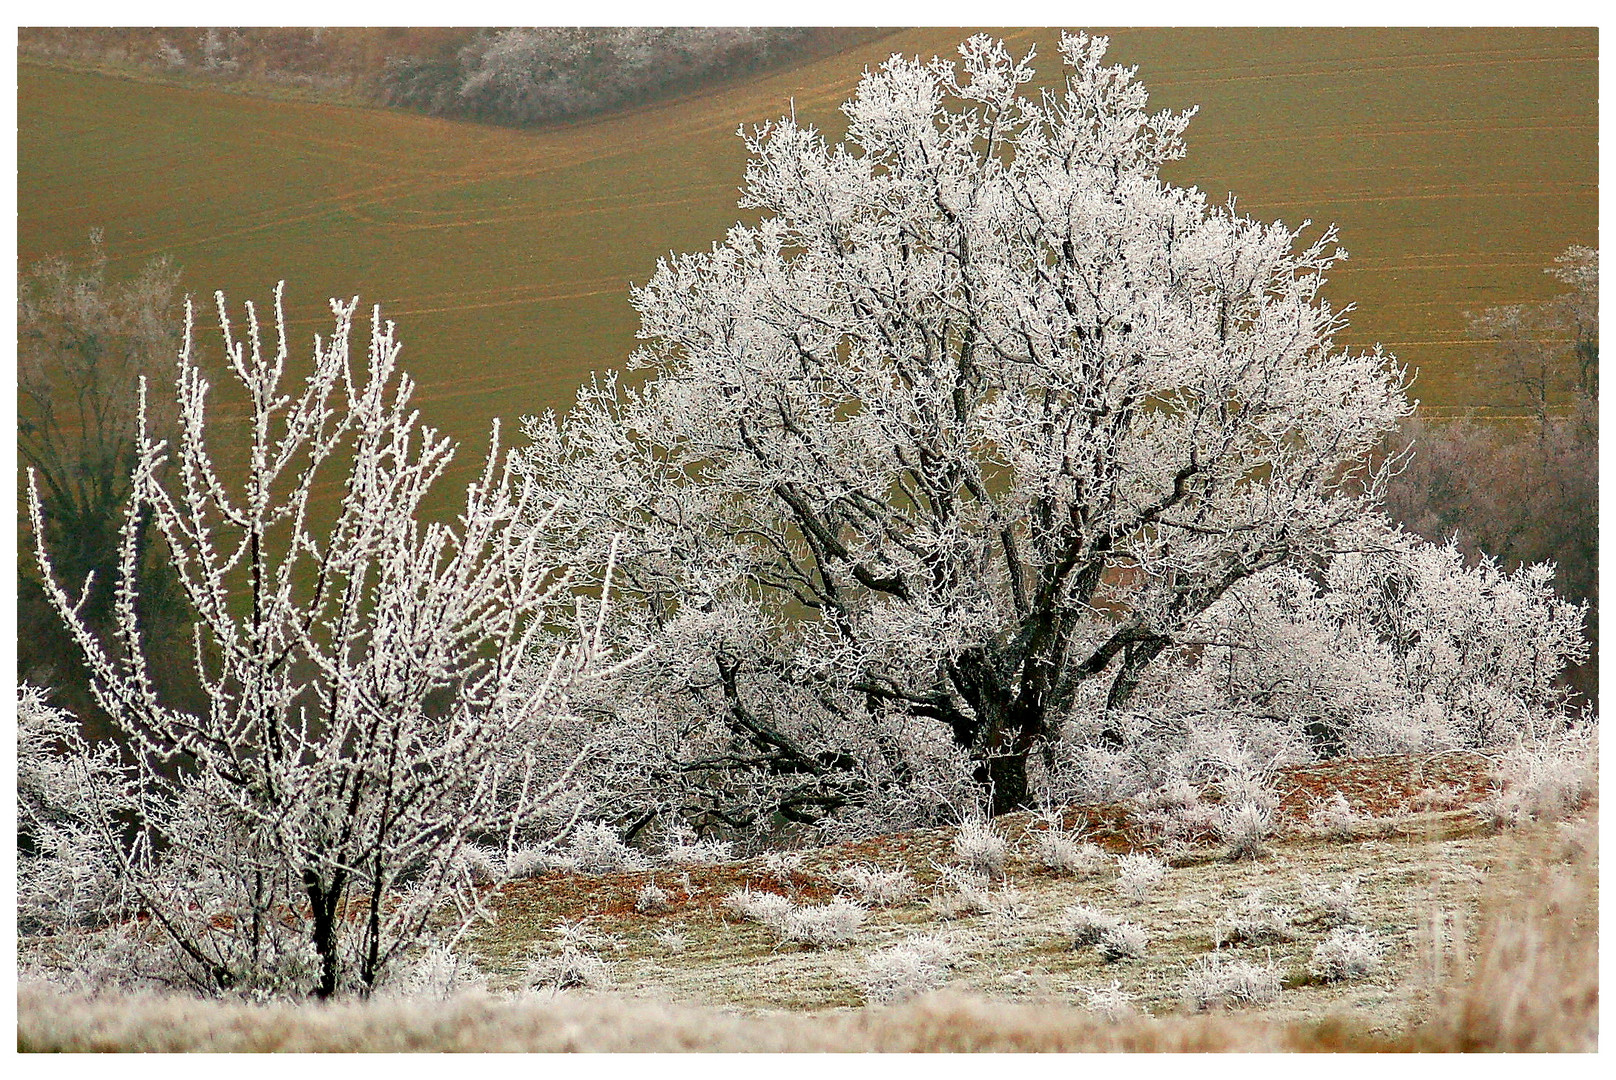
pixel 1349 952
pixel 1067 853
pixel 761 907
pixel 595 848
pixel 1245 827
pixel 1084 925
pixel 1335 905
pixel 1124 941
pixel 821 927
pixel 480 865
pixel 1138 875
pixel 1401 647
pixel 1113 938
pixel 437 971
pixel 1334 817
pixel 1254 921
pixel 67 866
pixel 1544 780
pixel 671 939
pixel 1174 794
pixel 785 866
pixel 568 969
pixel 913 967
pixel 882 888
pixel 980 848
pixel 381 689
pixel 529 860
pixel 964 893
pixel 700 852
pixel 652 900
pixel 1217 981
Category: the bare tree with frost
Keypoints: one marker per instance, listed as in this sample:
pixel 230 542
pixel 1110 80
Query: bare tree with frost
pixel 378 689
pixel 980 412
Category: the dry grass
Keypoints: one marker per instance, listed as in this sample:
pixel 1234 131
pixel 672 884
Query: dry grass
pixel 1526 980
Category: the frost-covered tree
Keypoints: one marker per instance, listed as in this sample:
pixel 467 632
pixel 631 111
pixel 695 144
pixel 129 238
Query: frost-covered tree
pixel 981 412
pixel 378 688
pixel 1397 647
pixel 83 339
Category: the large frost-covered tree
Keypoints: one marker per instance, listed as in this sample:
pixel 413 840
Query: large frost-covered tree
pixel 979 411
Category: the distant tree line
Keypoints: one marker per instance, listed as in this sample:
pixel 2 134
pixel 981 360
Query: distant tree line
pixel 515 75
pixel 1524 490
pixel 528 75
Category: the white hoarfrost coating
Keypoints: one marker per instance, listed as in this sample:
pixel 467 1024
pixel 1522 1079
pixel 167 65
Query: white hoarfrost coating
pixel 379 688
pixel 980 413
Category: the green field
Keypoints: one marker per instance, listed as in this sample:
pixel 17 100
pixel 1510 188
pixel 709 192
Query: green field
pixel 1457 163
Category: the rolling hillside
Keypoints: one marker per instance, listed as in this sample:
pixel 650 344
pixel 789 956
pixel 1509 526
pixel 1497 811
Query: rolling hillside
pixel 1456 162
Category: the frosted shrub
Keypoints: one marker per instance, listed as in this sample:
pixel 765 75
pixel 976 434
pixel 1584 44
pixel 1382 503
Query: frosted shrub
pixel 1252 921
pixel 1066 853
pixel 671 939
pixel 906 970
pixel 437 971
pixel 651 900
pixel 67 870
pixel 980 848
pixel 480 865
pixel 820 927
pixel 700 853
pixel 964 893
pixel 569 969
pixel 760 907
pixel 380 687
pixel 1124 941
pixel 1332 906
pixel 1347 953
pixel 1218 982
pixel 1137 875
pixel 785 866
pixel 1245 828
pixel 595 848
pixel 1176 794
pixel 1010 904
pixel 1084 925
pixel 1334 817
pixel 882 888
pixel 529 861
pixel 1111 937
pixel 1542 781
pixel 1111 1002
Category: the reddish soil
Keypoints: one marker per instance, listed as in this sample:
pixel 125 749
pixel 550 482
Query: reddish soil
pixel 1373 787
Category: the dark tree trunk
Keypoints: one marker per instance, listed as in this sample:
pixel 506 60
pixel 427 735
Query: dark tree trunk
pixel 1006 777
pixel 323 902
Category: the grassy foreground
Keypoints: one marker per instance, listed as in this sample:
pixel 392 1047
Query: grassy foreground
pixel 1503 956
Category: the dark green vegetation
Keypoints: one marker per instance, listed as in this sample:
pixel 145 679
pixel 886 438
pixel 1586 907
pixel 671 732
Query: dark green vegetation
pixel 1457 162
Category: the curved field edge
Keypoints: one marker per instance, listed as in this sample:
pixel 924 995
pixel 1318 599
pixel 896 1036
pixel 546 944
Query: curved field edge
pixel 1457 163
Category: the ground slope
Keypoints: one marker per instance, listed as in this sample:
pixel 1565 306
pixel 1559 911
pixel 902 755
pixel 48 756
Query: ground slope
pixel 1490 937
pixel 1457 163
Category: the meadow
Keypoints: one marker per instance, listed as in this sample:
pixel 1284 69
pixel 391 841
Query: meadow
pixel 1488 934
pixel 1456 162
